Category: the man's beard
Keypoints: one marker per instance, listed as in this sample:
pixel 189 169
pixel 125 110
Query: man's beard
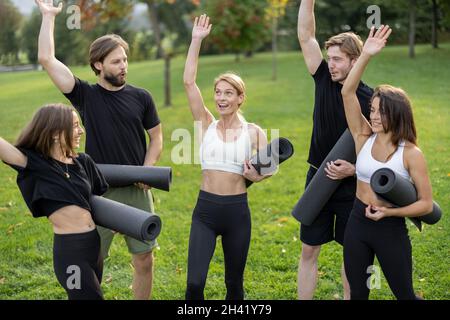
pixel 114 80
pixel 342 77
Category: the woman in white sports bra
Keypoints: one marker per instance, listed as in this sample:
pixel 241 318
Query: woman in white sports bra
pixel 226 146
pixel 375 228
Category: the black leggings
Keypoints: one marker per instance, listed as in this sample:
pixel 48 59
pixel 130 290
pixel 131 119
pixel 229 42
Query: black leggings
pixel 77 264
pixel 228 216
pixel 387 239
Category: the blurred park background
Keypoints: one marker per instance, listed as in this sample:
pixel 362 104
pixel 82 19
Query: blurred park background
pixel 258 40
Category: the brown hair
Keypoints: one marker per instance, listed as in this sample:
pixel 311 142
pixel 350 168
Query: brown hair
pixel 103 46
pixel 396 113
pixel 234 80
pixel 349 43
pixel 49 120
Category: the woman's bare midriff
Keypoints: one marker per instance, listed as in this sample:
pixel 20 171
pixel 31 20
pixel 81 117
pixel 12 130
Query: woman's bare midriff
pixel 365 193
pixel 71 219
pixel 223 183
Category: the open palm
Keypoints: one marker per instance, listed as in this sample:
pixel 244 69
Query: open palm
pixel 376 40
pixel 47 7
pixel 201 28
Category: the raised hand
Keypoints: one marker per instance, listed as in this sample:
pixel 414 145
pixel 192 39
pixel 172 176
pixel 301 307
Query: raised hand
pixel 47 8
pixel 376 40
pixel 201 28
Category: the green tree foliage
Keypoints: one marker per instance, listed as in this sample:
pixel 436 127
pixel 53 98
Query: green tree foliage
pixel 238 26
pixel 105 17
pixel 30 34
pixel 167 18
pixel 143 46
pixel 10 22
pixel 335 16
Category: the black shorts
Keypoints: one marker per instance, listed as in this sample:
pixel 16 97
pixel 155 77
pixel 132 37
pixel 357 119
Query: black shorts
pixel 330 223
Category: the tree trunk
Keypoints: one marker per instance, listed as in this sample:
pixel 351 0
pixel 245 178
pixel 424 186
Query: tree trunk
pixel 274 47
pixel 154 21
pixel 412 27
pixel 434 25
pixel 167 97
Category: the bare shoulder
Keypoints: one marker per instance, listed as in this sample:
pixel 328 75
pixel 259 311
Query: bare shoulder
pixel 413 156
pixel 257 135
pixel 413 151
pixel 255 130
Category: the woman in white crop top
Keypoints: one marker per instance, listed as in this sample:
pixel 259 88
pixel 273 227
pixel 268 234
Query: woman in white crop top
pixel 389 140
pixel 226 147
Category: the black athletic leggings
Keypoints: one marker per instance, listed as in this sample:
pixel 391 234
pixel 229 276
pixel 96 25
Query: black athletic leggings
pixel 228 216
pixel 77 264
pixel 387 239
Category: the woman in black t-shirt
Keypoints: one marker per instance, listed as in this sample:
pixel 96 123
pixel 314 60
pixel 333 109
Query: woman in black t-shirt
pixel 56 182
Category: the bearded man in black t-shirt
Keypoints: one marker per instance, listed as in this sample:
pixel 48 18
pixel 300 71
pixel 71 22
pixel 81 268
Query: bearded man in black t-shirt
pixel 329 123
pixel 116 117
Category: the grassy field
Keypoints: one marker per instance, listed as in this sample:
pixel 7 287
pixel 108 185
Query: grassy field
pixel 26 270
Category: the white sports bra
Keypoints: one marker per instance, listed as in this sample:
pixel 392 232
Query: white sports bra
pixel 215 154
pixel 366 165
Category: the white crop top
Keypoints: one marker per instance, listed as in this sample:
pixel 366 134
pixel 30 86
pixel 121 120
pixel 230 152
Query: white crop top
pixel 366 165
pixel 215 154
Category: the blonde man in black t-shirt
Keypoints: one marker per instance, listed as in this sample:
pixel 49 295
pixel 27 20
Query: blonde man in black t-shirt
pixel 116 117
pixel 328 125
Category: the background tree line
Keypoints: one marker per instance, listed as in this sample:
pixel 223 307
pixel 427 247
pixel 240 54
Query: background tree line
pixel 241 27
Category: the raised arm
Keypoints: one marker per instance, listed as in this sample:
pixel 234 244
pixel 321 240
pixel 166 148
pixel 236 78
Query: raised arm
pixel 199 111
pixel 10 154
pixel 306 30
pixel 357 123
pixel 61 76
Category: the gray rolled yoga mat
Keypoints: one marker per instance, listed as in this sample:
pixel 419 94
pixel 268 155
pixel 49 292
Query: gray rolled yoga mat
pixel 133 222
pixel 320 188
pixel 123 175
pixel 275 153
pixel 400 192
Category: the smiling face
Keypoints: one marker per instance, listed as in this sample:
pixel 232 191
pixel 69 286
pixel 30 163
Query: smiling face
pixel 376 119
pixel 227 98
pixel 114 67
pixel 77 131
pixel 339 64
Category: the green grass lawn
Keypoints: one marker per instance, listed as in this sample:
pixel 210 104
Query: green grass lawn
pixel 26 270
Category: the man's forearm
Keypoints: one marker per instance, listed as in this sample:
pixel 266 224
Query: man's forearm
pixel 153 153
pixel 306 21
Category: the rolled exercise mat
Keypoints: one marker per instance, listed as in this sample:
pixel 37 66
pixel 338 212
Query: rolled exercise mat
pixel 267 160
pixel 399 191
pixel 133 222
pixel 320 188
pixel 123 175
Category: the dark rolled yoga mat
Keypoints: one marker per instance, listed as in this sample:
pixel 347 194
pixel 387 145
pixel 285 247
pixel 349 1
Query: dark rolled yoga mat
pixel 320 189
pixel 133 222
pixel 400 192
pixel 124 175
pixel 267 160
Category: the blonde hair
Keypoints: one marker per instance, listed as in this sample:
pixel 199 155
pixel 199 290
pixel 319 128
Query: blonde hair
pixel 237 83
pixel 349 43
pixel 234 80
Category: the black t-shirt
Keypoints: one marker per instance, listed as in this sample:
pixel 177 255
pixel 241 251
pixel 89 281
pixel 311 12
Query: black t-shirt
pixel 43 182
pixel 115 121
pixel 329 122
